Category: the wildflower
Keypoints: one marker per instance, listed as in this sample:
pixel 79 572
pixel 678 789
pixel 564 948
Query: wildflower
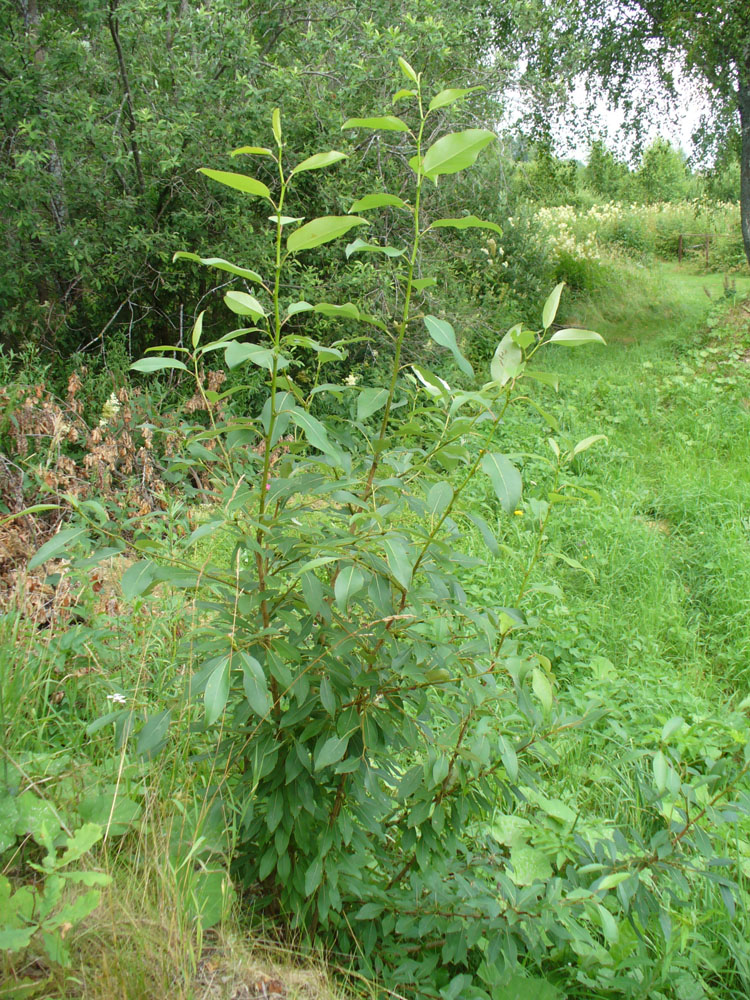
pixel 351 379
pixel 117 698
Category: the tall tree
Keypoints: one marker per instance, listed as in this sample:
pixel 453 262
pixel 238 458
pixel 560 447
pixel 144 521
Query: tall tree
pixel 707 39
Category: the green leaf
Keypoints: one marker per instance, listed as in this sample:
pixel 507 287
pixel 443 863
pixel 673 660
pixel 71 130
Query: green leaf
pixel 506 480
pixel 276 125
pixel 252 151
pixel 315 432
pixel 506 360
pixel 456 151
pixel 529 865
pixel 80 843
pixel 660 771
pixel 331 752
pixel 439 498
pixel 157 364
pixel 57 545
pixel 419 284
pixel 198 329
pixel 322 230
pixel 378 201
pixel 434 385
pixel 550 306
pixel 220 264
pixel 255 685
pixel 408 70
pixel 244 305
pixel 240 182
pixel 327 697
pixel 217 691
pixel 386 123
pixel 152 736
pixel 446 97
pixel 319 160
pixel 237 353
pixel 609 925
pixel 349 581
pixel 313 876
pixel 362 246
pixel 137 579
pixel 586 443
pixel 542 688
pixel 488 536
pixel 15 938
pixel 399 560
pixel 370 401
pixel 400 95
pixel 671 727
pixel 346 311
pixel 573 337
pixel 466 222
pixel 285 220
pixel 443 333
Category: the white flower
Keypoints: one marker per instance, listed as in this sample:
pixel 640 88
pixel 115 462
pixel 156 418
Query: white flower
pixel 117 698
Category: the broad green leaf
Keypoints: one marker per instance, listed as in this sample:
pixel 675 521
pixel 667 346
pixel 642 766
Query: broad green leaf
pixel 573 337
pixel 546 378
pixel 240 182
pixel 322 230
pixel 315 432
pixel 446 97
pixel 255 685
pixel 80 843
pixel 370 401
pixel 313 876
pixel 443 333
pixel 529 865
pixel 434 385
pixel 157 365
pixel 456 151
pixel 587 442
pixel 400 95
pixel 386 123
pixel 408 70
pixel 15 938
pixel 417 164
pixel 378 201
pixel 331 752
pixel 286 220
pixel 221 265
pixel 346 311
pixel 671 727
pixel 362 246
pixel 398 557
pixel 506 360
pixel 198 329
pixel 349 581
pixel 244 305
pixel 319 160
pixel 217 691
pixel 57 546
pixel 298 307
pixel 276 125
pixel 152 736
pixel 137 579
pixel 506 480
pixel 439 498
pixel 509 758
pixel 252 151
pixel 542 688
pixel 419 284
pixel 237 353
pixel 660 771
pixel 609 925
pixel 327 697
pixel 466 222
pixel 550 306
